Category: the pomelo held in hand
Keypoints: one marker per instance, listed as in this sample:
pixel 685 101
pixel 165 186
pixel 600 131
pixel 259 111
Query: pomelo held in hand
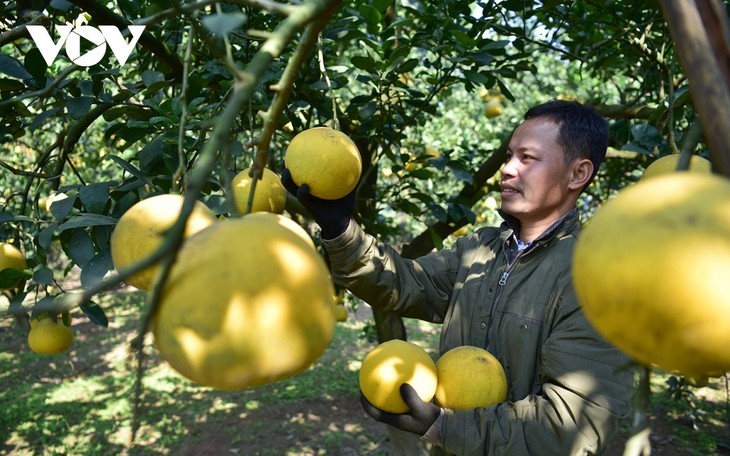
pixel 469 377
pixel 141 230
pixel 249 301
pixel 326 160
pixel 388 366
pixel 651 270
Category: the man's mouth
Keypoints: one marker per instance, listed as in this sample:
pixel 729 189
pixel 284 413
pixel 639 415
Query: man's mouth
pixel 509 189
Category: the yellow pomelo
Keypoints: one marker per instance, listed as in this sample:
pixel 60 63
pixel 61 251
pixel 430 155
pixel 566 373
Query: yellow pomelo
pixel 49 336
pixel 469 377
pixel 651 271
pixel 269 195
pixel 249 301
pixel 11 258
pixel 388 366
pixel 493 109
pixel 341 313
pixel 141 230
pixel 668 164
pixel 326 160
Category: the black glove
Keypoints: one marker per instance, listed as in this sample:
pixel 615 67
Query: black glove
pixel 418 419
pixel 332 216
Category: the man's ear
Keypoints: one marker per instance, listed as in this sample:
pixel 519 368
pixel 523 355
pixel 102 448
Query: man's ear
pixel 582 170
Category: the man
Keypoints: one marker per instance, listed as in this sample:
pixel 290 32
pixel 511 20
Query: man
pixel 507 290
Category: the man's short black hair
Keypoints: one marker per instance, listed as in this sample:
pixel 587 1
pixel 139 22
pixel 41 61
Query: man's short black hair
pixel 583 132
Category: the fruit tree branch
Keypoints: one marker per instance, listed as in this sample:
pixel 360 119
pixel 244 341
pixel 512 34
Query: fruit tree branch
pixel 699 29
pixel 283 90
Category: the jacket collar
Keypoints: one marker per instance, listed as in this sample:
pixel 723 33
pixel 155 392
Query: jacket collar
pixel 563 226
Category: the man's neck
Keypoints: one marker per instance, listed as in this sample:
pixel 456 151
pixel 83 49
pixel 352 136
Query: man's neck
pixel 529 231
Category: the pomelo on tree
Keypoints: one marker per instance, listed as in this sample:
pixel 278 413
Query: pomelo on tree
pixel 668 164
pixel 651 272
pixel 249 301
pixel 141 230
pixel 469 377
pixel 392 363
pixel 11 258
pixel 269 195
pixel 326 160
pixel 49 336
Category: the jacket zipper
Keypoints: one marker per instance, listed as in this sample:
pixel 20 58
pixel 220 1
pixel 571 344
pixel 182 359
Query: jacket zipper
pixel 502 282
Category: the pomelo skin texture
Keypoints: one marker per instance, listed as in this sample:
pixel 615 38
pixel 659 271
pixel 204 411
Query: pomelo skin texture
pixel 388 366
pixel 652 272
pixel 249 301
pixel 326 160
pixel 469 377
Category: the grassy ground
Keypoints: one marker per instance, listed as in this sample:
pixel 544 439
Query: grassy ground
pixel 82 402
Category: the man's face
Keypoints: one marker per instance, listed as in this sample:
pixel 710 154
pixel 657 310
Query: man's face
pixel 535 178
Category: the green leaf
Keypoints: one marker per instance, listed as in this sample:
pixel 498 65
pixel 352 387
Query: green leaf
pixel 364 63
pixel 43 276
pixel 78 107
pixel 7 84
pixel 439 212
pixel 371 16
pixel 94 196
pixel 95 313
pixel 151 77
pixel 80 247
pixel 461 173
pixel 13 68
pixel 95 270
pixel 9 277
pixel 223 24
pixel 35 64
pixel 41 119
pixel 476 77
pixel 647 135
pixel 85 219
pixel 131 169
pixel 45 236
pixel 62 206
pixel 437 241
pixel 16 305
pixel 367 111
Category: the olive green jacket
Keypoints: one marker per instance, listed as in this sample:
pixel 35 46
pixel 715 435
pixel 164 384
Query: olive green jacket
pixel 568 388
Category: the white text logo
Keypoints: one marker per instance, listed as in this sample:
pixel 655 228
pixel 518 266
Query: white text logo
pixel 71 36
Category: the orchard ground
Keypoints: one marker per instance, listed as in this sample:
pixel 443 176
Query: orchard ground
pixel 82 402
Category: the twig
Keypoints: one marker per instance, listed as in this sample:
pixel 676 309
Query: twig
pixel 689 144
pixel 323 70
pixel 184 113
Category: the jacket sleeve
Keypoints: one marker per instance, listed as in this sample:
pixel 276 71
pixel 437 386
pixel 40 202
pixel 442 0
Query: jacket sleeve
pixel 586 388
pixel 377 274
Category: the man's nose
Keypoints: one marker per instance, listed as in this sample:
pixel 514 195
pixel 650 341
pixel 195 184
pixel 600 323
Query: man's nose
pixel 508 169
